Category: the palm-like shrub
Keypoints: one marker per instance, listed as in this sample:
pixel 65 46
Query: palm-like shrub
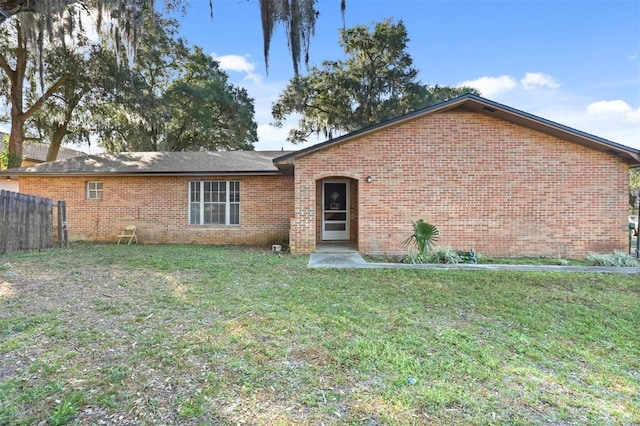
pixel 424 236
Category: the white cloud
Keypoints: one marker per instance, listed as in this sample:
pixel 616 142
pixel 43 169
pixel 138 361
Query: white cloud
pixel 617 110
pixel 234 63
pixel 490 86
pixel 608 107
pixel 537 81
pixel 239 63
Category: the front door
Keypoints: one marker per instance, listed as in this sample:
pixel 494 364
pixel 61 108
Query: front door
pixel 335 210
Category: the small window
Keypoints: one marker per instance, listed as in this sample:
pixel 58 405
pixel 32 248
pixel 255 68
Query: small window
pixel 94 190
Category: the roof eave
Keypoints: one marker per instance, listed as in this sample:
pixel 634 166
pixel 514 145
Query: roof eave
pixel 552 128
pixel 363 132
pixel 130 174
pixel 478 104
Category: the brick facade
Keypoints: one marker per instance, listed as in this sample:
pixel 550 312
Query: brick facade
pixel 487 184
pixel 159 207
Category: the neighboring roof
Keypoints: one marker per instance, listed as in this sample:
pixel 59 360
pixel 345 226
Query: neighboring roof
pixel 478 104
pixel 159 163
pixel 37 152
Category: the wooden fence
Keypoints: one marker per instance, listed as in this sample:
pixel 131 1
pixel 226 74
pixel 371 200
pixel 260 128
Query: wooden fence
pixel 26 222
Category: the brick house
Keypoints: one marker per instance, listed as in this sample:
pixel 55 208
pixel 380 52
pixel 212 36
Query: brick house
pixel 490 177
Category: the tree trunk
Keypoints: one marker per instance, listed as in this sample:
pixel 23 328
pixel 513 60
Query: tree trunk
pixel 59 133
pixel 17 117
pixel 60 130
pixel 15 141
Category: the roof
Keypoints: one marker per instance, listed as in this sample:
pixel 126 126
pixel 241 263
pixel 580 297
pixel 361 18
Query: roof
pixel 37 152
pixel 482 105
pixel 158 163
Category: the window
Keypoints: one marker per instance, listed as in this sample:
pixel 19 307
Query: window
pixel 214 203
pixel 94 190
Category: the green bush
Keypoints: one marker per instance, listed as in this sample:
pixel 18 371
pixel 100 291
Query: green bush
pixel 445 255
pixel 424 236
pixel 415 258
pixel 469 256
pixel 617 258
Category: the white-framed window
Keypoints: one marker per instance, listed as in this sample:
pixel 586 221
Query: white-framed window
pixel 94 190
pixel 214 202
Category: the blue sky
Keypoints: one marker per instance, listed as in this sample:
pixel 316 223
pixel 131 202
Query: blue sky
pixel 576 62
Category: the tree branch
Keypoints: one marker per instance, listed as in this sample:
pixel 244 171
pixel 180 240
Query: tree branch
pixel 6 67
pixel 61 81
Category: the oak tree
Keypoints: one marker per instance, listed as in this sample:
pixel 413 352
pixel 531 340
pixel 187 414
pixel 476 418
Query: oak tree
pixel 376 82
pixel 119 22
pixel 175 98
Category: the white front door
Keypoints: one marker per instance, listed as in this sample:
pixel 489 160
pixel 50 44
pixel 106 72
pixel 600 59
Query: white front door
pixel 335 210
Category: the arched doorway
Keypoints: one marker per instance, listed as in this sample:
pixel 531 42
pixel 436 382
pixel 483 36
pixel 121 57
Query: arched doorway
pixel 336 210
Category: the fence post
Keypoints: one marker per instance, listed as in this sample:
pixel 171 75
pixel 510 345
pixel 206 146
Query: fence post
pixel 63 237
pixel 4 223
pixel 13 240
pixel 45 206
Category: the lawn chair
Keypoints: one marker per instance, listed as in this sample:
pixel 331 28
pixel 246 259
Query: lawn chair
pixel 130 233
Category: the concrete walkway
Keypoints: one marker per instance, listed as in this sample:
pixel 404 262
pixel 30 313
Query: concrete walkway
pixel 354 260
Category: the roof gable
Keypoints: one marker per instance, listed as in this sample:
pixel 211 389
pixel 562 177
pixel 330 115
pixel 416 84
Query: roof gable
pixel 478 104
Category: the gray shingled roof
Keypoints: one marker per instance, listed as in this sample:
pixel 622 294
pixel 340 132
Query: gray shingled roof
pixel 159 163
pixel 37 152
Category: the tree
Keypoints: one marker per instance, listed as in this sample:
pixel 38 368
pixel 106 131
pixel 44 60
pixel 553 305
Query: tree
pixel 120 21
pixel 376 82
pixel 169 99
pixel 298 16
pixel 67 113
pixel 14 61
pixel 206 111
pixel 175 99
pixel 134 121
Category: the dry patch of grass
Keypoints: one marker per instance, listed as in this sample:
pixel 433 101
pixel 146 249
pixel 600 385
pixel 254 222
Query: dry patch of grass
pixel 212 335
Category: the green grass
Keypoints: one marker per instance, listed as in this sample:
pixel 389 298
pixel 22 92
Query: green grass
pixel 213 335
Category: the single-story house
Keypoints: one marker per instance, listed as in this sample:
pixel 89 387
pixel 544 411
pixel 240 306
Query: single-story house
pixel 491 178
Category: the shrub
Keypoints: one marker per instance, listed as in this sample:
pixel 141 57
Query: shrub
pixel 445 255
pixel 424 236
pixel 617 258
pixel 469 256
pixel 415 258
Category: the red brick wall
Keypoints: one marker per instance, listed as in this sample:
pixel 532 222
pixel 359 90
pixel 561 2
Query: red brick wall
pixel 501 189
pixel 159 207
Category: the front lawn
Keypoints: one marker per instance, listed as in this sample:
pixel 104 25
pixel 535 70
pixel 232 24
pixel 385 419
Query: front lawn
pixel 198 335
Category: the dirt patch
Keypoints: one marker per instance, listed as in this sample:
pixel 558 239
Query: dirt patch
pixel 6 290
